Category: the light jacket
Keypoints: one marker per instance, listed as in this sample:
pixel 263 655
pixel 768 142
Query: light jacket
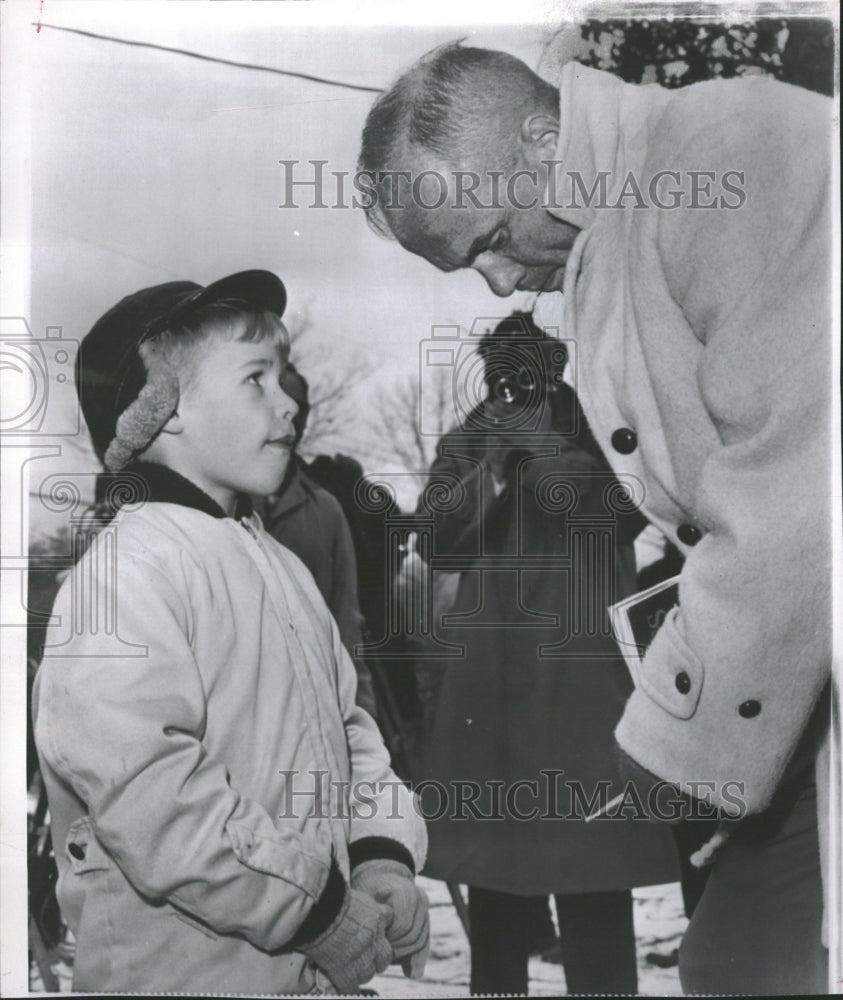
pixel 309 521
pixel 706 333
pixel 210 779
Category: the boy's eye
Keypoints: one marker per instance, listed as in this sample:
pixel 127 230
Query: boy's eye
pixel 255 378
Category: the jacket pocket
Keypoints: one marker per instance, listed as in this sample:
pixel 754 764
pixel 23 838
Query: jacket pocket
pixel 84 892
pixel 671 673
pixel 196 924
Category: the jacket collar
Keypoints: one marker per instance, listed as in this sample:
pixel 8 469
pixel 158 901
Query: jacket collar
pixel 159 484
pixel 605 127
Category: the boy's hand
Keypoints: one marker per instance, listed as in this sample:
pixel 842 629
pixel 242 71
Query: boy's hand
pixel 354 948
pixel 392 883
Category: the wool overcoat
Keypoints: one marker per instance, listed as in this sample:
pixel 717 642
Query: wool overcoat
pixel 522 745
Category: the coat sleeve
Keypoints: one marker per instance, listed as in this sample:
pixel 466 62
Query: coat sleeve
pixel 126 733
pixel 752 633
pixel 344 603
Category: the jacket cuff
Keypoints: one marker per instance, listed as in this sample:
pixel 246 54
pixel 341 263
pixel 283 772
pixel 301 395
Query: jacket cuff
pixel 325 910
pixel 379 848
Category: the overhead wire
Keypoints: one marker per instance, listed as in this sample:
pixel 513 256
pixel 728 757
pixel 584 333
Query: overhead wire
pixel 206 58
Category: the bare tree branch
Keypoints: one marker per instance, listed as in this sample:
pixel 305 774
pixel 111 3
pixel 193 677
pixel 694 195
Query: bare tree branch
pixel 333 375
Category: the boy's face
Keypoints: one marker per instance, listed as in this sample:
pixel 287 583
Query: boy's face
pixel 236 429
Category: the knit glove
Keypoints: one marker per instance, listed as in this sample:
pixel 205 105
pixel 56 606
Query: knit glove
pixel 392 883
pixel 354 948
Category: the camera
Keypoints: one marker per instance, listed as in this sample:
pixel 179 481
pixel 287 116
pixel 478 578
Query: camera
pixel 499 375
pixel 30 366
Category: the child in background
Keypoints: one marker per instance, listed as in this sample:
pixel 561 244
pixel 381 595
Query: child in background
pixel 225 819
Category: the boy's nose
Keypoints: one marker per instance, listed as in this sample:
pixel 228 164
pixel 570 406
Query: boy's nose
pixel 286 406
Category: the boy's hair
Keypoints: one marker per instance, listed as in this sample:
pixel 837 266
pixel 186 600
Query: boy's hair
pixel 180 345
pixel 132 364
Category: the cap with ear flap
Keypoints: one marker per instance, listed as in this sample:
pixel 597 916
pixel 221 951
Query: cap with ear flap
pixel 126 389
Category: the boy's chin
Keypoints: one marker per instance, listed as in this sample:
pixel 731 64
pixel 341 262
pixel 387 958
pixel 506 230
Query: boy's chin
pixel 269 484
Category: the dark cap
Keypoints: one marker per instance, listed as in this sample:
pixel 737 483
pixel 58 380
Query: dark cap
pixel 110 371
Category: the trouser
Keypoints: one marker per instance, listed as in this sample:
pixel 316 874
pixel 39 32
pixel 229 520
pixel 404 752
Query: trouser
pixel 689 836
pixel 596 935
pixel 756 928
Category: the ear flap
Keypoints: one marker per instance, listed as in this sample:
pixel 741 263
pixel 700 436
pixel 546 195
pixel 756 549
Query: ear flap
pixel 154 408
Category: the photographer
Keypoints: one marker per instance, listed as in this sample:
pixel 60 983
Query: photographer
pixel 545 545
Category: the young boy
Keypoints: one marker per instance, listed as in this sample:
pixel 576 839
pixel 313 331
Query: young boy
pixel 224 817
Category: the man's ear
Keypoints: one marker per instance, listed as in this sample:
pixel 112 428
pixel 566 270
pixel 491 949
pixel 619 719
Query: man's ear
pixel 538 138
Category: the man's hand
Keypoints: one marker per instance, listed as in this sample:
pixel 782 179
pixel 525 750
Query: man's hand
pixel 408 932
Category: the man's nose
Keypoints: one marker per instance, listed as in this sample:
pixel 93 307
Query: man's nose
pixel 502 276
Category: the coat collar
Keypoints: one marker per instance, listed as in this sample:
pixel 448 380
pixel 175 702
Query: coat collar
pixel 156 483
pixel 605 125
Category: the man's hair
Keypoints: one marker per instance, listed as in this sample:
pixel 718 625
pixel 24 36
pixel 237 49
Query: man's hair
pixel 457 102
pixel 229 319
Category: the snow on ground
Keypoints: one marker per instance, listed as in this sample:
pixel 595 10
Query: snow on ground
pixel 659 925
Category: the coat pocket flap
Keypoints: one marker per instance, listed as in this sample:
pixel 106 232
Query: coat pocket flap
pixel 670 673
pixel 83 850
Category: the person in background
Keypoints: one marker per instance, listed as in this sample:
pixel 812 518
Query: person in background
pixel 537 688
pixel 368 508
pixel 309 521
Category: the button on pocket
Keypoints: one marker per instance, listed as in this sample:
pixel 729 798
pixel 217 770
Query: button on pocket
pixel 682 682
pixel 84 850
pixel 671 674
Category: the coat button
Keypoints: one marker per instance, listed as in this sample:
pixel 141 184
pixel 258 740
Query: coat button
pixel 77 851
pixel 682 682
pixel 624 441
pixel 749 709
pixel 688 534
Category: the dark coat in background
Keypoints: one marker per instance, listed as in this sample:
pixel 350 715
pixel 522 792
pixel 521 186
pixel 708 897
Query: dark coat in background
pixel 540 685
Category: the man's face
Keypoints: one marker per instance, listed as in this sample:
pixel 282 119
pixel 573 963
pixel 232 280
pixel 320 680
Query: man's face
pixel 514 248
pixel 237 430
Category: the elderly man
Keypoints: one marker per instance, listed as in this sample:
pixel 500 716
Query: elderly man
pixel 690 233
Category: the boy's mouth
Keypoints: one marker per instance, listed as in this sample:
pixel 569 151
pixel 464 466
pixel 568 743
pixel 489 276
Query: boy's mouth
pixel 287 441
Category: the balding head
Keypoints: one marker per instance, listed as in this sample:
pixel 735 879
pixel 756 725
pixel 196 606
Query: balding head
pixel 458 106
pixel 457 155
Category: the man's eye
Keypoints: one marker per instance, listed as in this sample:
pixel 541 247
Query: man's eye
pixel 500 240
